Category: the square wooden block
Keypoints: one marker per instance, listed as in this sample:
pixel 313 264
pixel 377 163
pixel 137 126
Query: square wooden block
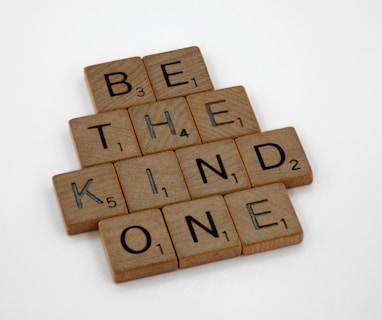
pixel 118 84
pixel 152 181
pixel 177 73
pixel 223 114
pixel 87 196
pixel 213 168
pixel 275 156
pixel 202 231
pixel 138 245
pixel 165 125
pixel 264 218
pixel 104 137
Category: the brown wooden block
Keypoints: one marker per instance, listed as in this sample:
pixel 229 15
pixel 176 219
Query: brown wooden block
pixel 138 245
pixel 164 125
pixel 213 168
pixel 118 84
pixel 177 73
pixel 264 218
pixel 202 231
pixel 275 156
pixel 104 137
pixel 152 181
pixel 87 196
pixel 223 114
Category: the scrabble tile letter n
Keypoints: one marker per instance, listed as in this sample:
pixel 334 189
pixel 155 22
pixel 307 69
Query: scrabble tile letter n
pixel 177 73
pixel 213 168
pixel 202 231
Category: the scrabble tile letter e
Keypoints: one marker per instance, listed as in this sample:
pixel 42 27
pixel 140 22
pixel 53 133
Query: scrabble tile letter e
pixel 177 73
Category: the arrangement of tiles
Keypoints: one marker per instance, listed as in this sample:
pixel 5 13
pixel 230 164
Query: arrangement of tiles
pixel 174 173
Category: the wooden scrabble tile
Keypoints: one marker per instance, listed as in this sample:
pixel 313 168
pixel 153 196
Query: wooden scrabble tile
pixel 104 137
pixel 151 181
pixel 264 218
pixel 164 125
pixel 138 245
pixel 118 84
pixel 87 196
pixel 202 231
pixel 177 73
pixel 223 114
pixel 213 168
pixel 275 156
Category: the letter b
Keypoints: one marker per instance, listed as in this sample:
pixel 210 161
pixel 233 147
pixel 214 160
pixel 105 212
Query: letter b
pixel 123 85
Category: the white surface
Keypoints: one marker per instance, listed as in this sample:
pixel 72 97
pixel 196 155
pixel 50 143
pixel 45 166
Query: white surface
pixel 315 65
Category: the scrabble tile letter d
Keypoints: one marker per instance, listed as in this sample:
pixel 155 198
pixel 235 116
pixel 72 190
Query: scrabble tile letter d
pixel 275 156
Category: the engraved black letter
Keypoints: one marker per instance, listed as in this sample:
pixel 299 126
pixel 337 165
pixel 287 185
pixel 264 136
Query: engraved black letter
pixel 79 195
pixel 262 163
pixel 100 131
pixel 167 75
pixel 127 248
pixel 110 84
pixel 213 231
pixel 151 180
pixel 201 162
pixel 168 122
pixel 211 114
pixel 253 215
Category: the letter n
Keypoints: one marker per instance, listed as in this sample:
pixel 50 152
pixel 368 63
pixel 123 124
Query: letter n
pixel 212 230
pixel 222 173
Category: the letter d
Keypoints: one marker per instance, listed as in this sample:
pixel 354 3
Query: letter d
pixel 261 159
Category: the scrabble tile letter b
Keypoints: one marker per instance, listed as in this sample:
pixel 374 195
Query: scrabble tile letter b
pixel 177 73
pixel 118 84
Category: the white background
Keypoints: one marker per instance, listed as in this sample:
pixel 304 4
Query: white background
pixel 314 65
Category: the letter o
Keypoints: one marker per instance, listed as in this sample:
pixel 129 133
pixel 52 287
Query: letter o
pixel 127 248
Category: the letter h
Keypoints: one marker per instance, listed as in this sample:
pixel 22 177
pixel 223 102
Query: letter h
pixel 168 122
